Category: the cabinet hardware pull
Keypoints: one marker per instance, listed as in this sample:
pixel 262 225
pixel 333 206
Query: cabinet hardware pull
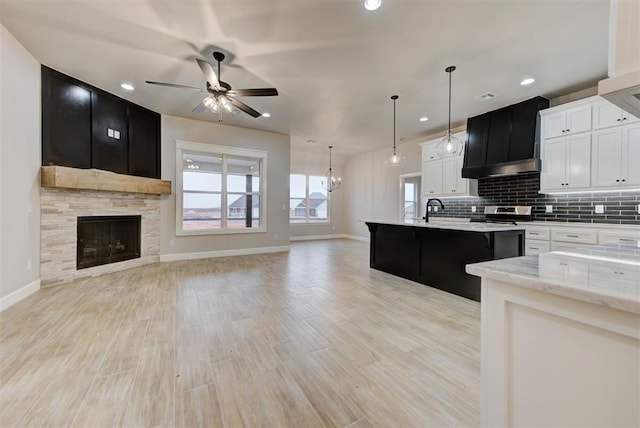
pixel 568 130
pixel 534 233
pixel 624 179
pixel 627 240
pixel 617 181
pixel 618 120
pixel 624 118
pixel 572 236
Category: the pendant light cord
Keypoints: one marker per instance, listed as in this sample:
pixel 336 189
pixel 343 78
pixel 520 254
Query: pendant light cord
pixel 330 147
pixel 394 98
pixel 450 70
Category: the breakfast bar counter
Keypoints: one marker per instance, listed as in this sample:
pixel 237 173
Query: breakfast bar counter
pixel 435 254
pixel 561 338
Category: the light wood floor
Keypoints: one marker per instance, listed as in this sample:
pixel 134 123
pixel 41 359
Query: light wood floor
pixel 309 338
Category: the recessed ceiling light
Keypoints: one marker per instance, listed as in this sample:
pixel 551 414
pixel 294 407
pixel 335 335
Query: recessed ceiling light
pixel 127 86
pixel 424 119
pixel 372 4
pixel 527 81
pixel 266 114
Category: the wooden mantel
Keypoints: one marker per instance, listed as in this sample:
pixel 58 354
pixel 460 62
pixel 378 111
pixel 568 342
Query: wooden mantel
pixel 95 179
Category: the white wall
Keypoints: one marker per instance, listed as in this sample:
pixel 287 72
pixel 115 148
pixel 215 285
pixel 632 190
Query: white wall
pixel 19 170
pixel 317 163
pixel 372 191
pixel 277 146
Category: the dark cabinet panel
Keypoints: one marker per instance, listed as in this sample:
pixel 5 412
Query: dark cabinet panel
pixel 499 131
pixel 523 127
pixel 110 135
pixel 477 134
pixel 86 127
pixel 66 122
pixel 144 135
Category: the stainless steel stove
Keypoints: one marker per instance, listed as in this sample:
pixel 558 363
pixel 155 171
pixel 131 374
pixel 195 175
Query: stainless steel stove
pixel 505 214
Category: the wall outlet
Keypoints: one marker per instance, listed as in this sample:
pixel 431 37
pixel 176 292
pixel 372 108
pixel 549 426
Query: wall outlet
pixel 599 209
pixel 109 132
pixel 172 243
pixel 638 208
pixel 473 209
pixel 435 208
pixel 548 208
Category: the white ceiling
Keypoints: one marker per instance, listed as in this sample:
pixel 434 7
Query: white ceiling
pixel 334 63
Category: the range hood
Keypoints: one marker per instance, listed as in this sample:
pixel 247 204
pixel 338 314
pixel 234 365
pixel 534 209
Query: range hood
pixel 504 141
pixel 622 88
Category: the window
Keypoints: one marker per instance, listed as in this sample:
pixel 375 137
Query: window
pixel 410 197
pixel 219 189
pixel 308 201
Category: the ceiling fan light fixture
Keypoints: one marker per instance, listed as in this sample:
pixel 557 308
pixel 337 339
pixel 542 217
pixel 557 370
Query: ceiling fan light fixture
pixel 396 158
pixel 449 145
pixel 331 181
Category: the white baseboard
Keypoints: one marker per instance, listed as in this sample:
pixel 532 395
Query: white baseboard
pixel 13 298
pixel 222 253
pixel 316 237
pixel 357 238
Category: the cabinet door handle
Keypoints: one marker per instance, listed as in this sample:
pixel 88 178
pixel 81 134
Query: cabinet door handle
pixel 623 179
pixel 618 181
pixel 572 236
pixel 568 130
pixel 627 240
pixel 534 233
pixel 618 119
pixel 624 118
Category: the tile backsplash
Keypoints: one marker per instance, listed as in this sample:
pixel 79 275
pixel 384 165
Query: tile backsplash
pixel 619 207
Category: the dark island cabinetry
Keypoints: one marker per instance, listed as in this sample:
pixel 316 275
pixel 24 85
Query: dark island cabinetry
pixel 86 127
pixel 437 256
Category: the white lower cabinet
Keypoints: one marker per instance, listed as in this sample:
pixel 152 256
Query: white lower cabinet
pixel 554 237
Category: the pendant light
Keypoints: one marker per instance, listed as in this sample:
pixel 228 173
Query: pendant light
pixel 331 182
pixel 396 158
pixel 449 145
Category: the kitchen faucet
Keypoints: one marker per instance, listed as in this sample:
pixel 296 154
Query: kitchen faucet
pixel 426 208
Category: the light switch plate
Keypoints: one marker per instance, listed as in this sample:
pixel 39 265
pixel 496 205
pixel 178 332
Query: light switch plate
pixel 116 134
pixel 599 209
pixel 548 208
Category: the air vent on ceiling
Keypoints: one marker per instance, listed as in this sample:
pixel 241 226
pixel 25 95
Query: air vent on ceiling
pixel 486 96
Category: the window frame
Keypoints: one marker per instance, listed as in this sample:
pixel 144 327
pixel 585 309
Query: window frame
pixel 416 179
pixel 189 147
pixel 307 201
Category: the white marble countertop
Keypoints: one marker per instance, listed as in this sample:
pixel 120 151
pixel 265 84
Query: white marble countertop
pixel 451 225
pixel 607 275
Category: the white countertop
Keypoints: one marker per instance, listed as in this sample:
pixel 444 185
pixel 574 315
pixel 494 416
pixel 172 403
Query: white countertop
pixel 451 225
pixel 607 275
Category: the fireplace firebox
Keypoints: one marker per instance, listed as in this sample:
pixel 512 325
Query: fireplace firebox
pixel 107 239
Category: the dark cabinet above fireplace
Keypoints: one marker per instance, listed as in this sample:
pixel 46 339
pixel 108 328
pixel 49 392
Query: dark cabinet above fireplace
pixel 86 127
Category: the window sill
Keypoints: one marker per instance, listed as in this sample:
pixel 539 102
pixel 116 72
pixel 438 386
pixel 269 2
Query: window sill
pixel 309 223
pixel 220 232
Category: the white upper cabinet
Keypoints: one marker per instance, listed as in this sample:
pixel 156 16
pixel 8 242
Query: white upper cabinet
pixel 606 157
pixel 567 121
pixel 616 157
pixel 606 115
pixel 432 178
pixel 443 176
pixel 567 163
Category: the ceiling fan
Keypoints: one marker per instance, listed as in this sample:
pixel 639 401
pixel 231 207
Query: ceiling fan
pixel 221 95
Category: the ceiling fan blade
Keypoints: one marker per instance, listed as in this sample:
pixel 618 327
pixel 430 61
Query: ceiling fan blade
pixel 207 70
pixel 199 108
pixel 256 92
pixel 173 85
pixel 242 106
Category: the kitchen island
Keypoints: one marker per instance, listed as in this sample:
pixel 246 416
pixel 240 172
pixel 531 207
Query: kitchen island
pixel 561 338
pixel 435 254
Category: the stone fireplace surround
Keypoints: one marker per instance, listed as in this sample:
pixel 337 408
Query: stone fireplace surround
pixel 60 209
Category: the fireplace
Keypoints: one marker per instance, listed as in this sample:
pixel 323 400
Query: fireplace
pixel 107 239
